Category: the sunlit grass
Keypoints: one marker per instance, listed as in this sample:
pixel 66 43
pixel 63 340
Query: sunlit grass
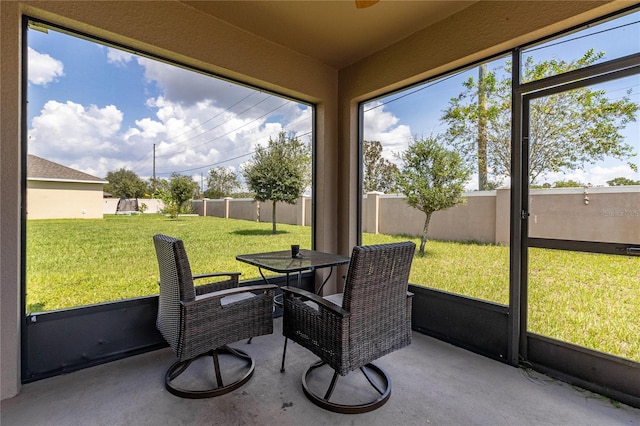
pixel 79 262
pixel 592 300
pixel 587 299
pixel 476 270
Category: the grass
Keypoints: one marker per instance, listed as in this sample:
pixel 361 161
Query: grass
pixel 588 299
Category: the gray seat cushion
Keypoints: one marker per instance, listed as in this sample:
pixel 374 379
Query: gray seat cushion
pixel 334 298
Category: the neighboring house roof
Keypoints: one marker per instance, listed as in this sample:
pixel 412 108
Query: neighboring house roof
pixel 41 169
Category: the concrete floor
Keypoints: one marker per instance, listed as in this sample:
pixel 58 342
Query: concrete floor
pixel 434 383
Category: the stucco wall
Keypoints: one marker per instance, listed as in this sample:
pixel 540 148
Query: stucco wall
pixel 68 200
pixel 609 215
pixel 299 213
pixel 472 221
pixel 243 209
pixel 605 214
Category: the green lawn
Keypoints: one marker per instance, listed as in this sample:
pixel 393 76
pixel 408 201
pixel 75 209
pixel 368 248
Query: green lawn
pixel 591 300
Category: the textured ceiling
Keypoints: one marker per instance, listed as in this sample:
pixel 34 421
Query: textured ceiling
pixel 334 32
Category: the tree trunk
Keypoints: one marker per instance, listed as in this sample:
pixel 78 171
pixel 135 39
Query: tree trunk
pixel 423 241
pixel 482 128
pixel 273 219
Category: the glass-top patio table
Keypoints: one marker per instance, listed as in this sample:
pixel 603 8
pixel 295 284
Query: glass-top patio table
pixel 283 262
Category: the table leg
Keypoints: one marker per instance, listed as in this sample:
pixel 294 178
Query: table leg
pixel 325 281
pixel 284 353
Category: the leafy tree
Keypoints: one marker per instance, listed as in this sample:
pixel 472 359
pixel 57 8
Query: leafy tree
pixel 567 131
pixel 432 177
pixel 177 191
pixel 125 184
pixel 281 171
pixel 222 182
pixel 622 181
pixel 379 174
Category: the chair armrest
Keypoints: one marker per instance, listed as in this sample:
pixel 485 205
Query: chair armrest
pixel 230 280
pixel 324 303
pixel 231 291
pixel 217 274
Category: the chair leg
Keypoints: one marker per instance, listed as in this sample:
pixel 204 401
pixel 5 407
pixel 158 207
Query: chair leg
pixel 332 386
pixel 371 381
pixel 284 353
pixel 323 402
pixel 216 366
pixel 180 367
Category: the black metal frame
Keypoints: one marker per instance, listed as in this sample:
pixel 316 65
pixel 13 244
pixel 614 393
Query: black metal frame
pixel 383 391
pixel 60 342
pixel 180 367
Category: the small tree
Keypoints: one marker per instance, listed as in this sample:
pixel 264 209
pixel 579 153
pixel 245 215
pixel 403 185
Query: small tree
pixel 222 182
pixel 432 178
pixel 379 174
pixel 281 171
pixel 125 184
pixel 180 189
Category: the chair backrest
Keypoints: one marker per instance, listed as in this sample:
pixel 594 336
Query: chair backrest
pixel 375 293
pixel 176 284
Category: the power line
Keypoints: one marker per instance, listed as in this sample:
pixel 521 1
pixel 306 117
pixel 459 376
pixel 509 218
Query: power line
pixel 213 128
pixel 226 160
pixel 214 117
pixel 145 158
pixel 528 50
pixel 238 128
pixel 212 164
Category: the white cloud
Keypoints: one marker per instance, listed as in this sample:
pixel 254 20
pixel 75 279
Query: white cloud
pixel 205 135
pixel 597 175
pixel 195 122
pixel 68 132
pixel 150 128
pixel 381 125
pixel 118 57
pixel 43 69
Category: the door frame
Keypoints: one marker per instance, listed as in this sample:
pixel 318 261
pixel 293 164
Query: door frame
pixel 523 95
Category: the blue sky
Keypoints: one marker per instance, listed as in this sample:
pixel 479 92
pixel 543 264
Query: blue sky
pixel 99 109
pixel 394 120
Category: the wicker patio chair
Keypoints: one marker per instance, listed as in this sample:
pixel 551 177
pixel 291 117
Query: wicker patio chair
pixel 349 331
pixel 202 320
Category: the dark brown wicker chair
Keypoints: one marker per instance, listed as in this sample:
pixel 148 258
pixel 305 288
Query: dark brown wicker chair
pixel 349 331
pixel 202 320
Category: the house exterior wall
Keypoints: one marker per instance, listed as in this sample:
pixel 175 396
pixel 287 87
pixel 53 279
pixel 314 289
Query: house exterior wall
pixel 64 200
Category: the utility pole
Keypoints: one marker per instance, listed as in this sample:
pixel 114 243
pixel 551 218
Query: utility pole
pixel 154 167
